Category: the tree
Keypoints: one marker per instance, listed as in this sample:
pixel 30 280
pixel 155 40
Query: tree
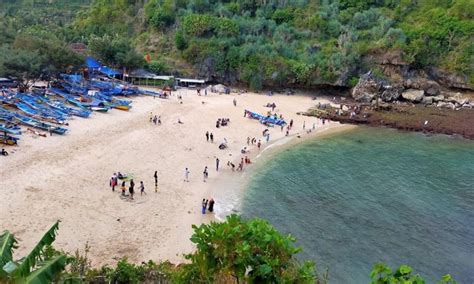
pixel 249 251
pixel 37 267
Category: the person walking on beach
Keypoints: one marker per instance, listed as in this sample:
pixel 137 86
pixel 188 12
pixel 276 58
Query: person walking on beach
pixel 205 174
pixel 155 119
pixel 304 125
pixel 186 175
pixel 259 144
pixel 291 123
pixel 207 136
pixel 235 102
pixel 156 178
pixel 248 140
pixel 268 137
pixel 113 182
pixel 131 189
pixel 211 205
pixel 217 164
pixel 212 137
pixel 314 125
pixel 123 188
pixel 142 188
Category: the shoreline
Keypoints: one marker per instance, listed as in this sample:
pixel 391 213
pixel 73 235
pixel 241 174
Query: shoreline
pixel 67 177
pixel 239 181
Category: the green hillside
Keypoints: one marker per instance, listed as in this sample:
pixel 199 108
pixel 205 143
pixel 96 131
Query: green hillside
pixel 260 43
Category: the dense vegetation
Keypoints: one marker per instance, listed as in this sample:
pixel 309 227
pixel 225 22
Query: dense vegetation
pixel 258 43
pixel 233 251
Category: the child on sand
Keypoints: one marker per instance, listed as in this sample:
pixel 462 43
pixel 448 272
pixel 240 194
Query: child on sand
pixel 142 188
pixel 204 205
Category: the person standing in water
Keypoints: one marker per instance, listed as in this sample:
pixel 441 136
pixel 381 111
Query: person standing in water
pixel 204 205
pixel 211 205
pixel 142 188
pixel 217 164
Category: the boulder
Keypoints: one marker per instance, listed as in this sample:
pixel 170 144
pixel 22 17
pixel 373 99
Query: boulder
pixel 457 98
pixel 438 98
pixel 414 96
pixel 430 87
pixel 218 88
pixel 366 89
pixel 427 100
pixel 391 93
pixel 445 105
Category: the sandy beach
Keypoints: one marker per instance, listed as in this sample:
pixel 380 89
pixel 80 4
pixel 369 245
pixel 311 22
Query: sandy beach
pixel 67 177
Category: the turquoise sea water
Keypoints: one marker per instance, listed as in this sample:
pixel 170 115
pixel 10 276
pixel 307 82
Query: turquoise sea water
pixel 372 195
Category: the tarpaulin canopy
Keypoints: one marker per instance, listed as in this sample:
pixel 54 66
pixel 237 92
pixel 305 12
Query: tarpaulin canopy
pixel 92 63
pixel 109 71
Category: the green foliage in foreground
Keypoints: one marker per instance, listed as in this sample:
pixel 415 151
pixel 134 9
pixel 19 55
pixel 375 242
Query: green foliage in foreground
pixel 233 251
pixel 382 274
pixel 38 266
pixel 247 251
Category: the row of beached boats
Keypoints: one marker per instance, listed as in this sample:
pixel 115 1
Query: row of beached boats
pixel 49 110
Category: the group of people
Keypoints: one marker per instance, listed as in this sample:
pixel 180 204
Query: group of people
pixel 222 122
pixel 209 136
pixel 272 105
pixel 207 204
pixel 199 92
pixel 114 181
pixel 155 118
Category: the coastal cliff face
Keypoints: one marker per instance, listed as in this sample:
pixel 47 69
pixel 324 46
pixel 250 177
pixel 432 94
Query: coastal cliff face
pixel 397 81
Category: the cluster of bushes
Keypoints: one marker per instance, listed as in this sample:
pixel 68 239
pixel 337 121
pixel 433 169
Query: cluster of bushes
pixel 261 43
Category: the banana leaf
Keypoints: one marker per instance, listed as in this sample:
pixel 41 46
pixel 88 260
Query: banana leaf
pixel 7 244
pixel 47 271
pixel 29 262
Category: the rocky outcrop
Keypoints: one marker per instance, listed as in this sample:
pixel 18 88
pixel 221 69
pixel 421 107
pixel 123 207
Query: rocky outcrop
pixel 430 87
pixel 414 96
pixel 367 88
pixel 450 80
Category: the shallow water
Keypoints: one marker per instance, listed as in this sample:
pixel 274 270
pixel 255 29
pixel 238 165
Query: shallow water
pixel 372 195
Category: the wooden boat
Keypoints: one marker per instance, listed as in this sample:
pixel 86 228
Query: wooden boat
pixel 8 139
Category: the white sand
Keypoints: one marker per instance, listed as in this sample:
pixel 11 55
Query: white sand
pixel 67 177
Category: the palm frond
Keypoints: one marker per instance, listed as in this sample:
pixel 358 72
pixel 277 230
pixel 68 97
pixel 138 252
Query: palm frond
pixel 7 244
pixel 48 270
pixel 29 262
